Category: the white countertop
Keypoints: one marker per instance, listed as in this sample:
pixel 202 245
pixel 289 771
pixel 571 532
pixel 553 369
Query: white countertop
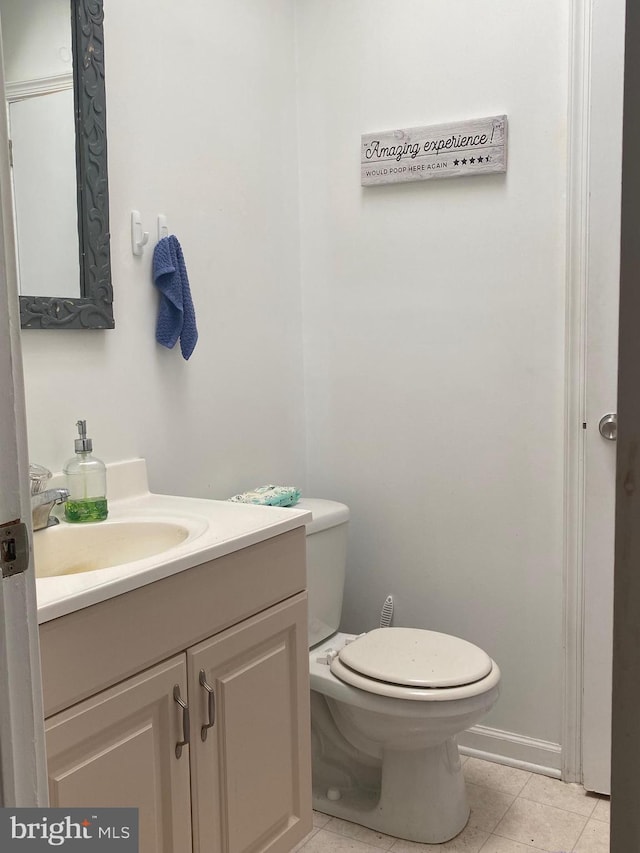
pixel 215 528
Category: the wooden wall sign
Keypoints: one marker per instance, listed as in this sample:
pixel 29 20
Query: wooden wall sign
pixel 475 147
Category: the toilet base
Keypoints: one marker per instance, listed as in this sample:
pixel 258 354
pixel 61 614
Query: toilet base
pixel 422 796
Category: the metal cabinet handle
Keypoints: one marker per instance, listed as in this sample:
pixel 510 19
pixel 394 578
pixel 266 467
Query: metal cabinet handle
pixel 186 722
pixel 211 703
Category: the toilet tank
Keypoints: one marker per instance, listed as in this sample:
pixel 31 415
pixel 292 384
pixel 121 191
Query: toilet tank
pixel 326 565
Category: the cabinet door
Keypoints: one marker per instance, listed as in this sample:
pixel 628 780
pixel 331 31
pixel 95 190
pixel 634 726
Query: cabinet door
pixel 251 776
pixel 118 749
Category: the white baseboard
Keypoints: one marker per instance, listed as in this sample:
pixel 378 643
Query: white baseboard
pixel 526 753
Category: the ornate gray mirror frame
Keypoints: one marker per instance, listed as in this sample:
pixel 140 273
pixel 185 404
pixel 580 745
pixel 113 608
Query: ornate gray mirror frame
pixel 94 309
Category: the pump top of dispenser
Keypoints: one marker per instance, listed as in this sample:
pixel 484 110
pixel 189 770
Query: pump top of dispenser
pixel 83 444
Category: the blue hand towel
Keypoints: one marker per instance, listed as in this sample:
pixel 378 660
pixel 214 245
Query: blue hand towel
pixel 176 314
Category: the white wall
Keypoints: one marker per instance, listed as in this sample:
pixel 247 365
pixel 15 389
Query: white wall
pixel 200 112
pixel 434 323
pixel 433 312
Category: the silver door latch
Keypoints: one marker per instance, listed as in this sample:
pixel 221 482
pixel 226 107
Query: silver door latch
pixel 608 426
pixel 14 548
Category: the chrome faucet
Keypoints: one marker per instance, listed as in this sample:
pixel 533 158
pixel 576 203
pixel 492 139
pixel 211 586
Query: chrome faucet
pixel 42 504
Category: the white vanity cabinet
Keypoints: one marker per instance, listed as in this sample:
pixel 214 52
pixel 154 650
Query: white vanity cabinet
pixel 248 781
pixel 242 783
pixel 116 749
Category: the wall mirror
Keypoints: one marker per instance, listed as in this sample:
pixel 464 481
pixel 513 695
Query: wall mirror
pixel 55 92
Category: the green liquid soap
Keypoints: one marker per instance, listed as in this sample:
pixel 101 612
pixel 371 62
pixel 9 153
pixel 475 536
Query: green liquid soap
pixel 86 481
pixel 86 509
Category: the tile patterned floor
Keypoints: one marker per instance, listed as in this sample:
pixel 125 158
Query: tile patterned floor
pixel 512 811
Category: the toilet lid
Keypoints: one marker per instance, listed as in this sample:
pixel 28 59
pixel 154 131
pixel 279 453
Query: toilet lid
pixel 413 657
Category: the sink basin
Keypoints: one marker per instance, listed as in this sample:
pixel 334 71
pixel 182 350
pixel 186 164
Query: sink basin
pixel 73 549
pixel 147 537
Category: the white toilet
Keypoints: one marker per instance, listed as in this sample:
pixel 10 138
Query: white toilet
pixel 386 706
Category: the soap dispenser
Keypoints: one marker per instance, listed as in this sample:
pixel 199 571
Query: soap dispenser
pixel 86 481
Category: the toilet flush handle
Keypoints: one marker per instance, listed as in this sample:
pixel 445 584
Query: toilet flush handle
pixel 327 657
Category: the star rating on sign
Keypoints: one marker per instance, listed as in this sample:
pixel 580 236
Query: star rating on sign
pixel 471 160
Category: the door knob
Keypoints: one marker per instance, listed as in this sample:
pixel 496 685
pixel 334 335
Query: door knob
pixel 608 426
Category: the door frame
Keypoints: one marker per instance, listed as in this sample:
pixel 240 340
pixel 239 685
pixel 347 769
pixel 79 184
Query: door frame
pixel 23 779
pixel 575 328
pixel 625 815
pixel 584 68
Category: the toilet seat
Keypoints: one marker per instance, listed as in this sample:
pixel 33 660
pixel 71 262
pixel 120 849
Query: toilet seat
pixel 413 663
